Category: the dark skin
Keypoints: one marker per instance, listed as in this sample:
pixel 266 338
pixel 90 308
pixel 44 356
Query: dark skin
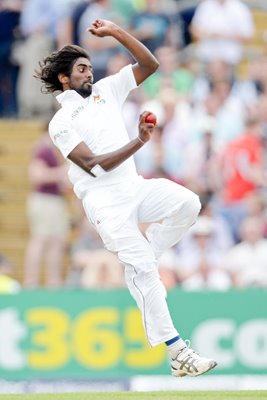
pixel 81 80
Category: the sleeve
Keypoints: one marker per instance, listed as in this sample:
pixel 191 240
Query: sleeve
pixel 199 19
pixel 122 83
pixel 244 21
pixel 64 137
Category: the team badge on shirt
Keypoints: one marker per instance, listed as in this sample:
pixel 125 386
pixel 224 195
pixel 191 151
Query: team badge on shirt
pixel 98 100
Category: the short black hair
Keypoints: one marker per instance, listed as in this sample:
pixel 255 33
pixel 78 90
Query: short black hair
pixel 61 61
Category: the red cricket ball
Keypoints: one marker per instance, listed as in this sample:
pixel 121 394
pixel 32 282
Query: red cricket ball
pixel 151 119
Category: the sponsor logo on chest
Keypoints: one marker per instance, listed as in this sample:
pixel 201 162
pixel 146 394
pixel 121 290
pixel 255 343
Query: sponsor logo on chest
pixel 76 112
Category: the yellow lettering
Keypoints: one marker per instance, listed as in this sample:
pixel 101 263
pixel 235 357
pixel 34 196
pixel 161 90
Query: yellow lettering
pixel 50 340
pixel 96 340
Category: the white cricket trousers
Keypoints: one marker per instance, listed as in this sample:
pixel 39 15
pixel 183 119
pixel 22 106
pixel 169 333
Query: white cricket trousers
pixel 116 212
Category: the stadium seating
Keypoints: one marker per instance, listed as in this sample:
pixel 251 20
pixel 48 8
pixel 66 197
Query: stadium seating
pixel 16 141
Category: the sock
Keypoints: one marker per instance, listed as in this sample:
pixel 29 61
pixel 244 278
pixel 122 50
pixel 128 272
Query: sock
pixel 173 340
pixel 175 345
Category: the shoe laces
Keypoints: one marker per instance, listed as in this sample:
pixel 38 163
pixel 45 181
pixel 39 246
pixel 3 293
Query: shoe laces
pixel 187 352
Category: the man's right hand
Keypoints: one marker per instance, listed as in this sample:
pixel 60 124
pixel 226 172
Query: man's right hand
pixel 101 28
pixel 145 129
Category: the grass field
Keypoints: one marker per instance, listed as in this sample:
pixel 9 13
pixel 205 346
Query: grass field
pixel 199 395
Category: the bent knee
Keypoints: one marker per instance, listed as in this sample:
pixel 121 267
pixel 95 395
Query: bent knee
pixel 190 209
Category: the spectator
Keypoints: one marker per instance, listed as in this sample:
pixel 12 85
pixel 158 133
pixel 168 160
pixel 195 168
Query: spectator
pixel 152 26
pixel 100 50
pixel 227 111
pixel 222 27
pixel 240 170
pixel 86 241
pixel 167 269
pixel 48 216
pixel 38 23
pixel 257 72
pixel 67 29
pixel 173 115
pixel 200 264
pixel 102 271
pixel 186 16
pixel 231 115
pixel 9 33
pixel 206 110
pixel 92 267
pixel 217 71
pixel 247 261
pixel 262 111
pixel 256 206
pixel 126 8
pixel 8 285
pixel 174 72
pixel 199 156
pixel 221 237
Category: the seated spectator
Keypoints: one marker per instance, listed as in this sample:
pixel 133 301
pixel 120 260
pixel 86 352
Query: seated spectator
pixel 92 266
pixel 86 241
pixel 247 260
pixel 174 72
pixel 221 237
pixel 257 74
pixel 256 206
pixel 261 105
pixel 222 27
pixel 167 269
pixel 102 271
pixel 216 71
pixel 173 115
pixel 231 115
pixel 199 156
pixel 227 111
pixel 200 265
pixel 158 159
pixel 48 215
pixel 8 285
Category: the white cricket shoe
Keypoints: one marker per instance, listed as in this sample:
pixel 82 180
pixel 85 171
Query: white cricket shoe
pixel 188 362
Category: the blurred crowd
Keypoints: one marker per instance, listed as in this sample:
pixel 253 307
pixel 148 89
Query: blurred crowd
pixel 211 134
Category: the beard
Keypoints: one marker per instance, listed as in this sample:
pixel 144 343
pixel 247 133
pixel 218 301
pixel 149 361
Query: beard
pixel 84 91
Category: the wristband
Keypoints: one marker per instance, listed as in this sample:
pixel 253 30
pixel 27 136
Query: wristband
pixel 97 171
pixel 140 140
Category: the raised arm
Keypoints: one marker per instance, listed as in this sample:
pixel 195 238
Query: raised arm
pixel 97 165
pixel 146 63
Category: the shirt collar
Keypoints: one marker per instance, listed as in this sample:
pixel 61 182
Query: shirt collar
pixel 70 95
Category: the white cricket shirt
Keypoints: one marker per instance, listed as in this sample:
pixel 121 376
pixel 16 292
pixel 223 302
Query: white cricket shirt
pixel 229 18
pixel 97 121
